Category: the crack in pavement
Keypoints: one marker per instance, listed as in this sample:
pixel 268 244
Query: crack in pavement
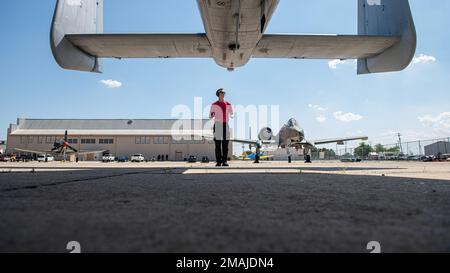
pixel 32 187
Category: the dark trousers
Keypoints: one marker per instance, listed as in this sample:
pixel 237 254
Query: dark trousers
pixel 222 151
pixel 221 139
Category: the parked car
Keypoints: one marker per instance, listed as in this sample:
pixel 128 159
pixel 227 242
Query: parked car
pixel 347 159
pixel 12 157
pixel 107 157
pixel 429 158
pixel 413 158
pixel 123 159
pixel 205 159
pixel 351 159
pixel 4 158
pixel 25 158
pixel 45 158
pixel 442 157
pixel 192 159
pixel 391 156
pixel 137 158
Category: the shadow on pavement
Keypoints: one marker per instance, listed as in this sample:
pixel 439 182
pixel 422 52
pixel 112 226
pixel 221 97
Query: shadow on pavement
pixel 159 210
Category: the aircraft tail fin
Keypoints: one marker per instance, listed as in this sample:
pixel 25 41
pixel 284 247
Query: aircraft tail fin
pixel 387 18
pixel 75 17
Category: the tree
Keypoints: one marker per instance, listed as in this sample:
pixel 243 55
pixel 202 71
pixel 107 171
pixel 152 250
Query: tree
pixel 379 148
pixel 363 150
pixel 395 149
pixel 328 152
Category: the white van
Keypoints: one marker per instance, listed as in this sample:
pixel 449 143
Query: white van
pixel 45 158
pixel 137 158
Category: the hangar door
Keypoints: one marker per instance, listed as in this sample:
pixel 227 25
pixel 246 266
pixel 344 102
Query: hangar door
pixel 178 156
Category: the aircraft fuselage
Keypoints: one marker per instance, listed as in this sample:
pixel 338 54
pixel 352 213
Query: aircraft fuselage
pixel 235 27
pixel 291 132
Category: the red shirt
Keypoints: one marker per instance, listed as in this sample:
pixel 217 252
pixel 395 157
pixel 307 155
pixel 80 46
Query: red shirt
pixel 221 111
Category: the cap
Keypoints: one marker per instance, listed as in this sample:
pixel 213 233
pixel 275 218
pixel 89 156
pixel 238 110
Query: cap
pixel 221 90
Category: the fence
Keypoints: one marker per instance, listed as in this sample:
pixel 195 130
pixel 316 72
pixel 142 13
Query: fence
pixel 411 148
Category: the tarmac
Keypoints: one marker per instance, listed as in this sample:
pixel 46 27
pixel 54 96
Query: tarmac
pixel 170 207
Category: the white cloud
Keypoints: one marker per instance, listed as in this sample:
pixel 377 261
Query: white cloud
pixel 422 59
pixel 334 63
pixel 320 111
pixel 111 83
pixel 346 117
pixel 321 119
pixel 439 123
pixel 316 107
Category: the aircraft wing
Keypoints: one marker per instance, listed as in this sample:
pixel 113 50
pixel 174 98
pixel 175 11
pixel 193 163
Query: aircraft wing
pixel 53 152
pixel 254 142
pixel 323 46
pixel 243 141
pixel 86 152
pixel 339 140
pixel 142 45
pixel 246 141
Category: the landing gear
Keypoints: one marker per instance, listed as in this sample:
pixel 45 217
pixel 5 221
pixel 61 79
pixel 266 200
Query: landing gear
pixel 289 155
pixel 256 159
pixel 258 150
pixel 308 159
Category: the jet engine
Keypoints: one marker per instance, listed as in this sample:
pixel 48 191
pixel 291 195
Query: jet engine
pixel 265 134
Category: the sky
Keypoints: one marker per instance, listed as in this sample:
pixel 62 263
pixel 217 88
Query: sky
pixel 326 97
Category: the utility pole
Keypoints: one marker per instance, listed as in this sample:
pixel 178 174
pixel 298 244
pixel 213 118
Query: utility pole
pixel 400 142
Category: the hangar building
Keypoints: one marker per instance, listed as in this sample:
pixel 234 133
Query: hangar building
pixel 440 147
pixel 154 138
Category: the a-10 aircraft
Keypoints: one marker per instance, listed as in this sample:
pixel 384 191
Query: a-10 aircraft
pixel 60 147
pixel 291 135
pixel 234 34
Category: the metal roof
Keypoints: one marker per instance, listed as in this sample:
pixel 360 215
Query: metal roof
pixel 111 126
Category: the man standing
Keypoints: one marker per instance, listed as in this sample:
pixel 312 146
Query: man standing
pixel 221 111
